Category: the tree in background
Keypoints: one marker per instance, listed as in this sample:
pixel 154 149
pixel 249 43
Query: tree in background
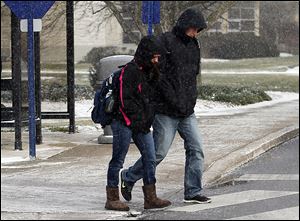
pixel 127 13
pixel 169 12
pixel 280 24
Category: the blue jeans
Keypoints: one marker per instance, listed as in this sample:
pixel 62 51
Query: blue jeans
pixel 164 130
pixel 121 140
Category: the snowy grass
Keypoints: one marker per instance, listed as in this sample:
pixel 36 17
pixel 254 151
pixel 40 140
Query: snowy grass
pixel 236 95
pixel 263 82
pixel 285 60
pixel 273 63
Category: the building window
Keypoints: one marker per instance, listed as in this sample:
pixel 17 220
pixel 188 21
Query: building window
pixel 247 26
pixel 241 17
pixel 246 4
pixel 234 26
pixel 234 13
pixel 247 13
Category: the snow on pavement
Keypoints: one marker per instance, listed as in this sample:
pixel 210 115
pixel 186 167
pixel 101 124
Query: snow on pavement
pixel 83 108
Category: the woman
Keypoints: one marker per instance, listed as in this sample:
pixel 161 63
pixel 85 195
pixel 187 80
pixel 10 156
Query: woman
pixel 133 120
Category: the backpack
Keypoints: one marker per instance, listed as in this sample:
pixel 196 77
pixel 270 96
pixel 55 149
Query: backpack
pixel 105 101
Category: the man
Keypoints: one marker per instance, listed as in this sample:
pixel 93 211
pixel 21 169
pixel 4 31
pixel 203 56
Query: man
pixel 175 109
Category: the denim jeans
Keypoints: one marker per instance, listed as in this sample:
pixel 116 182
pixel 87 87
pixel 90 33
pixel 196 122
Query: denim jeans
pixel 121 140
pixel 164 130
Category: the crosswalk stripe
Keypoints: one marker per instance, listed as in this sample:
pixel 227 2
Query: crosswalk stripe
pixel 291 213
pixel 268 177
pixel 233 199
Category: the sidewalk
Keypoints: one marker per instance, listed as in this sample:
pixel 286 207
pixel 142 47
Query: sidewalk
pixel 68 179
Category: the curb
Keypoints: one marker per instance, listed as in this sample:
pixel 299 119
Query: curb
pixel 219 169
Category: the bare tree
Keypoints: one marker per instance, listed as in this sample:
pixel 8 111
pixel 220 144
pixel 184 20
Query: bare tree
pixel 55 20
pixel 170 11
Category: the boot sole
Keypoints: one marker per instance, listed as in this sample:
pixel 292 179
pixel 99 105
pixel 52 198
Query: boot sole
pixel 158 209
pixel 117 209
pixel 196 201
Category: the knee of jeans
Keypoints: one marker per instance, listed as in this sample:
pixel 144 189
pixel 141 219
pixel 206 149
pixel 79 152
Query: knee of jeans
pixel 117 163
pixel 160 155
pixel 195 152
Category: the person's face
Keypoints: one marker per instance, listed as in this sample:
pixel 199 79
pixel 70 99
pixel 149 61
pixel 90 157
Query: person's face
pixel 192 32
pixel 155 58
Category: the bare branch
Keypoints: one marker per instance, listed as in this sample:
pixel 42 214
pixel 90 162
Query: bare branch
pixel 220 10
pixel 121 21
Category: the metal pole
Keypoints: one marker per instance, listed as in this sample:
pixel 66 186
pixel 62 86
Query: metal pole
pixel 16 78
pixel 31 89
pixel 150 12
pixel 38 87
pixel 70 65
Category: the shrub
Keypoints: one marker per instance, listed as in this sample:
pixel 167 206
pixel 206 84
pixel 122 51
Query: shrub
pixel 234 95
pixel 53 91
pixel 57 91
pixel 236 46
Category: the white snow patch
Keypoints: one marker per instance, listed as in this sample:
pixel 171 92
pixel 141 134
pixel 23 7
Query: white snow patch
pixel 83 108
pixel 206 60
pixel 294 70
pixel 283 55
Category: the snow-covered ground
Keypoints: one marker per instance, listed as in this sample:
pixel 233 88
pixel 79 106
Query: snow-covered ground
pixel 83 108
pixel 282 70
pixel 284 55
pixel 205 108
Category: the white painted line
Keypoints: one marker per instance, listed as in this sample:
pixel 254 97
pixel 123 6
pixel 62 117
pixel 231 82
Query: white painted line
pixel 291 213
pixel 234 199
pixel 268 177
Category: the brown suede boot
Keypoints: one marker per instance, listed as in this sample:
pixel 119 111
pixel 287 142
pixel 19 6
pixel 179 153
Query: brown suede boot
pixel 113 201
pixel 151 201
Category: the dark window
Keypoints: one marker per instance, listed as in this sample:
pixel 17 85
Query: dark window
pixel 234 26
pixel 247 13
pixel 246 4
pixel 242 17
pixel 234 13
pixel 247 26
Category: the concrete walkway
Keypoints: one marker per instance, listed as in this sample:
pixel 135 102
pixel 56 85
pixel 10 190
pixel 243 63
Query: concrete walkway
pixel 68 178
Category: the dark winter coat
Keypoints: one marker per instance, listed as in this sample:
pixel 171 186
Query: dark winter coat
pixel 180 67
pixel 137 87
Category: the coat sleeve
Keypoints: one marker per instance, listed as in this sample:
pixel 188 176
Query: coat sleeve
pixel 166 85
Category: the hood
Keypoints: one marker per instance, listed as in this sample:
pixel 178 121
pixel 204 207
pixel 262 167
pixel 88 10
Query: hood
pixel 189 18
pixel 147 47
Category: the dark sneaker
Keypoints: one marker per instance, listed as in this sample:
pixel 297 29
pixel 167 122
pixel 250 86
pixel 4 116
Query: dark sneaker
pixel 125 188
pixel 197 199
